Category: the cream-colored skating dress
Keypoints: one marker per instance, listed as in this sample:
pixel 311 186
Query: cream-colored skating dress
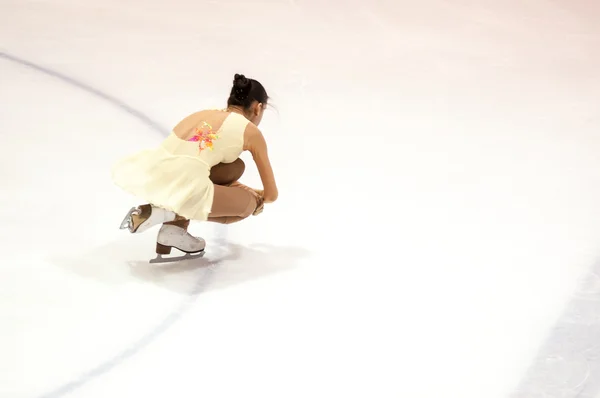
pixel 175 176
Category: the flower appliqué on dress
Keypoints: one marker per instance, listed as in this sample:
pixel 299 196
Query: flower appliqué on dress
pixel 205 137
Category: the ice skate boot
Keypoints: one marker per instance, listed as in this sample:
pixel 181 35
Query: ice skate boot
pixel 172 236
pixel 144 217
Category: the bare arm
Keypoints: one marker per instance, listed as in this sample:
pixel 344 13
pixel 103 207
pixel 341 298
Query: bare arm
pixel 255 143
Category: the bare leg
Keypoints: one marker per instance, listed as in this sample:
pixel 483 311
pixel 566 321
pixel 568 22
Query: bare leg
pixel 225 220
pixel 233 204
pixel 223 174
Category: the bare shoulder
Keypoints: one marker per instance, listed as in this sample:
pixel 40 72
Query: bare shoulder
pixel 253 137
pixel 252 130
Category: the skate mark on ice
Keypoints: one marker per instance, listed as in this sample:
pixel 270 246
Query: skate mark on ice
pixel 146 340
pixel 89 89
pixel 172 317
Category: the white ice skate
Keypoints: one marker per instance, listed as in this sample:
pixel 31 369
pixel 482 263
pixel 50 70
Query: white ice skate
pixel 144 217
pixel 172 236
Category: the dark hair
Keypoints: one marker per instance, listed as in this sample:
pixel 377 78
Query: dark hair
pixel 245 91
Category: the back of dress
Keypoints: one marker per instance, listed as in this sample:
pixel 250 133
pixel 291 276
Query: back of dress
pixel 175 176
pixel 223 145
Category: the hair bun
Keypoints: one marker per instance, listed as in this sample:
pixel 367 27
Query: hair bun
pixel 241 86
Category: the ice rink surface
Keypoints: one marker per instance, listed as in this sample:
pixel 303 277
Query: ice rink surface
pixel 438 227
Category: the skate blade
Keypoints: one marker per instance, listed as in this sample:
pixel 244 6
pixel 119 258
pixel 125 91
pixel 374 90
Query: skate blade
pixel 188 256
pixel 127 222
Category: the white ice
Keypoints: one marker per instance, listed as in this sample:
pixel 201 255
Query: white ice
pixel 439 174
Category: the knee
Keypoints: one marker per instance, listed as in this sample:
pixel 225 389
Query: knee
pixel 237 169
pixel 227 173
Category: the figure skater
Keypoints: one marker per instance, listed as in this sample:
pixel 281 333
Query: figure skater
pixel 194 173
